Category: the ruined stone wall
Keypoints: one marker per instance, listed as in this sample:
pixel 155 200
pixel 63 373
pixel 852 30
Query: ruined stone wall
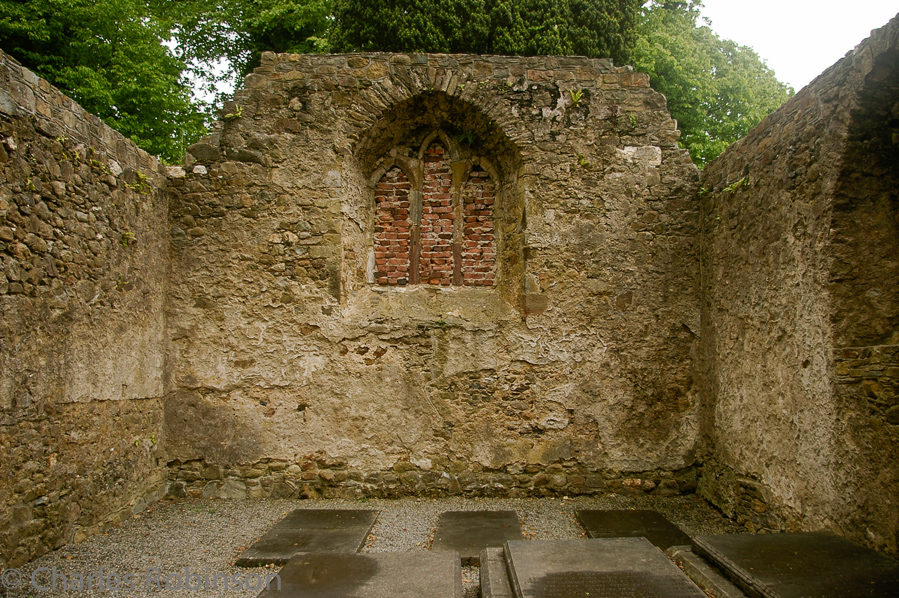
pixel 83 239
pixel 397 274
pixel 800 308
pixel 428 274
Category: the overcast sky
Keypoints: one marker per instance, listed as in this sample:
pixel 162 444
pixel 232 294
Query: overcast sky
pixel 798 38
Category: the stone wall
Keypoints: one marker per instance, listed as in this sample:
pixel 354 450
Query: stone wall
pixel 800 308
pixel 397 274
pixel 389 275
pixel 83 240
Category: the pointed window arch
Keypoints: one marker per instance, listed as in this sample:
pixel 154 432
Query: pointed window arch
pixel 434 219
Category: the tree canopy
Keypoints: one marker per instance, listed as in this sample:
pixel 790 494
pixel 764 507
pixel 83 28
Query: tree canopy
pixel 236 32
pixel 240 30
pixel 595 28
pixel 133 62
pixel 108 55
pixel 717 90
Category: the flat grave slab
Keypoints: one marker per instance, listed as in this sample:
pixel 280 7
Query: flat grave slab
pixel 470 532
pixel 596 568
pixel 806 565
pixel 370 575
pixel 494 576
pixel 310 530
pixel 651 525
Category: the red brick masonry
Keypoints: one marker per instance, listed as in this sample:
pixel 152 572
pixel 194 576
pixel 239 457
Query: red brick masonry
pixel 478 251
pixel 392 230
pixel 437 219
pixel 395 235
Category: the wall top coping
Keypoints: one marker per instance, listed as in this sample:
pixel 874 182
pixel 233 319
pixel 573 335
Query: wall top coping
pixel 376 66
pixel 24 93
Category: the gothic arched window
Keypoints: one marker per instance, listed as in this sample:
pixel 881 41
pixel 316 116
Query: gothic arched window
pixel 434 221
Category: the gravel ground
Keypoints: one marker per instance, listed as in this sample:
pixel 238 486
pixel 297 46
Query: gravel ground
pixel 208 535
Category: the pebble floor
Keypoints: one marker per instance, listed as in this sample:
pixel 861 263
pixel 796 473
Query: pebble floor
pixel 206 536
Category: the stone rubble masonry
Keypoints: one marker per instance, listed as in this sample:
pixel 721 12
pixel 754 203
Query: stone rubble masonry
pixel 549 344
pixel 83 242
pixel 321 477
pixel 267 321
pixel 876 371
pixel 800 308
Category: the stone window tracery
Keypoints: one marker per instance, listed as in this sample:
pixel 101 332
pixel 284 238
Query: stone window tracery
pixel 434 221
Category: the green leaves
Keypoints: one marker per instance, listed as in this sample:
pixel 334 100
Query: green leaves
pixel 716 89
pixel 237 32
pixel 116 58
pixel 109 56
pixel 593 28
pixel 408 25
pixel 300 26
pixel 605 29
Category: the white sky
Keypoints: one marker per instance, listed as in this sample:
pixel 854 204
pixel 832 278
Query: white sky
pixel 798 38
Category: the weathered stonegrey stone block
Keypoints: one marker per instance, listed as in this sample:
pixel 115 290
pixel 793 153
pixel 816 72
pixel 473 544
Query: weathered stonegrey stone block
pixel 82 274
pixel 379 280
pixel 388 275
pixel 800 320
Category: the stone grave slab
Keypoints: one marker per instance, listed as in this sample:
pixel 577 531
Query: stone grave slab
pixel 700 572
pixel 806 565
pixel 494 576
pixel 310 530
pixel 648 524
pixel 595 568
pixel 370 575
pixel 470 532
